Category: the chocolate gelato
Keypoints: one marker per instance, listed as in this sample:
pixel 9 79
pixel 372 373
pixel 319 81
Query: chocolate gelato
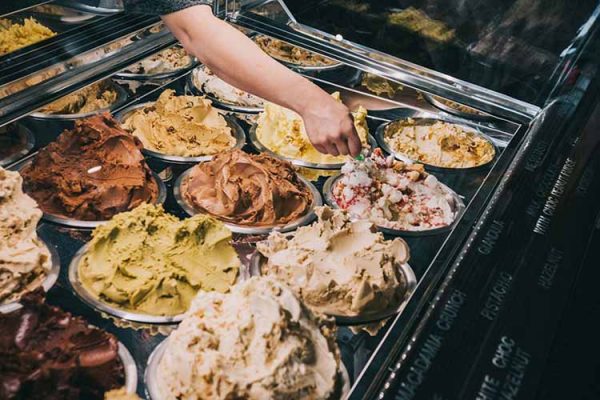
pixel 337 266
pixel 99 96
pixel 91 172
pixel 24 258
pixel 49 354
pixel 248 189
pixel 150 262
pixel 257 342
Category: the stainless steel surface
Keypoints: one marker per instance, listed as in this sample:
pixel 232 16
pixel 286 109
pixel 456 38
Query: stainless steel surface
pixel 28 140
pixel 236 130
pixel 438 103
pixel 48 282
pixel 258 261
pixel 251 230
pixel 459 209
pixel 381 140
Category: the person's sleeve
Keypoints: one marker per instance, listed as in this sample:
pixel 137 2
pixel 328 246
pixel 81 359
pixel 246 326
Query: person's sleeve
pixel 160 7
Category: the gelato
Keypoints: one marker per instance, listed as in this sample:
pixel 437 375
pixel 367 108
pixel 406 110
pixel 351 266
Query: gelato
pixel 457 106
pixel 440 144
pixel 91 172
pixel 24 258
pixel 15 35
pixel 49 354
pixel 421 24
pixel 378 85
pixel 257 342
pixel 12 142
pixel 286 52
pixel 209 83
pixel 393 194
pixel 282 131
pixel 186 126
pixel 120 394
pixel 99 96
pixel 149 261
pixel 168 60
pixel 338 267
pixel 248 189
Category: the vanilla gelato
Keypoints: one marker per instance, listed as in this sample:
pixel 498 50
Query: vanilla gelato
pixel 186 126
pixel 168 60
pixel 337 266
pixel 282 131
pixel 440 144
pixel 24 258
pixel 257 342
pixel 208 82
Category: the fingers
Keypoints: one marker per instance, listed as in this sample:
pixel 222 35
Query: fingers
pixel 342 146
pixel 354 145
pixel 332 149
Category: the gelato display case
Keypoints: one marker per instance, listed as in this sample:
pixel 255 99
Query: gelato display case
pixel 167 235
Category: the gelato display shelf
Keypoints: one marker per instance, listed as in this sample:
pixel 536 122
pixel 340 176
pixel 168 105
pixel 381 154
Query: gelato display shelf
pixel 489 290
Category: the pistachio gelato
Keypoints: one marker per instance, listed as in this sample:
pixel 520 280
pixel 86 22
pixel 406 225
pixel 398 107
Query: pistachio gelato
pixel 257 342
pixel 282 131
pixel 186 126
pixel 337 266
pixel 24 258
pixel 151 262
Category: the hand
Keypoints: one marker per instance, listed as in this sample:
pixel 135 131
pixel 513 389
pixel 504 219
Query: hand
pixel 330 127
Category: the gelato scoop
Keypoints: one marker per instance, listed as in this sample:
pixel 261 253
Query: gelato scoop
pixel 151 262
pixel 205 80
pixel 286 52
pixel 393 194
pixel 168 60
pixel 49 354
pixel 248 189
pixel 282 131
pixel 91 172
pixel 15 35
pixel 24 258
pixel 257 342
pixel 185 126
pixel 99 96
pixel 337 266
pixel 440 144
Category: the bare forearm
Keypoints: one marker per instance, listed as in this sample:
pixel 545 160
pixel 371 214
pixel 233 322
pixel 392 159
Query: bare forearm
pixel 237 60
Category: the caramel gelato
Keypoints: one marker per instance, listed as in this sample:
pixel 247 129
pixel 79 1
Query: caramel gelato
pixel 282 131
pixel 440 144
pixel 248 189
pixel 15 35
pixel 168 60
pixel 151 262
pixel 286 52
pixel 186 126
pixel 24 259
pixel 91 172
pixel 99 96
pixel 257 342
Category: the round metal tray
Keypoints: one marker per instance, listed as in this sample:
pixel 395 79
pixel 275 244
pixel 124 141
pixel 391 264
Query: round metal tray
pixel 129 367
pixel 236 130
pixel 76 223
pixel 437 103
pixel 217 101
pixel 104 307
pixel 257 144
pixel 27 138
pixel 153 391
pixel 459 208
pixel 122 97
pixel 258 260
pixel 380 137
pixel 48 283
pixel 251 230
pixel 135 76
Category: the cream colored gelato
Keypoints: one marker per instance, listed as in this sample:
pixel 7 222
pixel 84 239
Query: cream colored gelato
pixel 208 82
pixel 256 342
pixel 186 126
pixel 168 60
pixel 24 258
pixel 282 131
pixel 337 266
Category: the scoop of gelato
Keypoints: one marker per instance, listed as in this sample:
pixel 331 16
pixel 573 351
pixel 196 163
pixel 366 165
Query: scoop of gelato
pixel 99 96
pixel 337 266
pixel 257 342
pixel 15 35
pixel 24 258
pixel 151 262
pixel 248 189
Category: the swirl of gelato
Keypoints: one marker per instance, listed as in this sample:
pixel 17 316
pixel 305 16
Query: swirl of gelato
pixel 248 189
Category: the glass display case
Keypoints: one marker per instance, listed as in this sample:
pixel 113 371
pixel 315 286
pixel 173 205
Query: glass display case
pixel 486 294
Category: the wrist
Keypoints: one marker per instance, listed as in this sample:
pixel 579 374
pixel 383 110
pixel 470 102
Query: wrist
pixel 306 97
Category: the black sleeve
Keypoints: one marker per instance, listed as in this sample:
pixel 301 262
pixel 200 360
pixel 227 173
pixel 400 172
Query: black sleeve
pixel 160 7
